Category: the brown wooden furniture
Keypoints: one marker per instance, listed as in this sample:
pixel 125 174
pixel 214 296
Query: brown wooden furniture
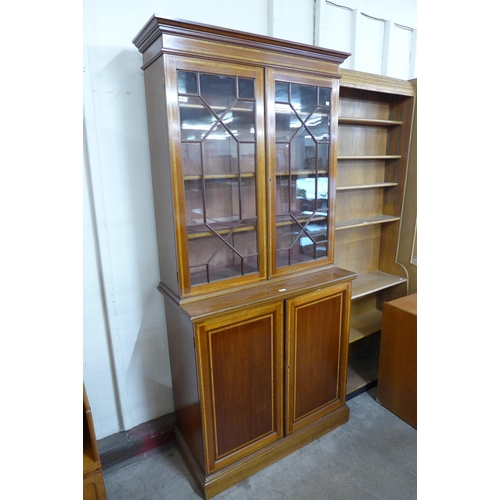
pixel 243 139
pixel 93 482
pixel 397 380
pixel 375 123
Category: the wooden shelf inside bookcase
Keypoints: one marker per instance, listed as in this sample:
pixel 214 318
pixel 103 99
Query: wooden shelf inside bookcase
pixel 368 186
pixel 368 157
pixel 365 284
pixel 304 171
pixel 361 370
pixel 374 122
pixel 365 324
pixel 197 177
pixel 364 221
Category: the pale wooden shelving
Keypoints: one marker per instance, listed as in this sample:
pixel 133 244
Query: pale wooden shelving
pixel 375 119
pixel 364 221
pixel 367 186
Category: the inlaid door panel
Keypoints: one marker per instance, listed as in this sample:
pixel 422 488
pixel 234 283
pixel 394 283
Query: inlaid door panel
pixel 241 378
pixel 316 343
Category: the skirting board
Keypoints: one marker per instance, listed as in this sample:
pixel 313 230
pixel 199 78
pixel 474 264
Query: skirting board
pixel 140 439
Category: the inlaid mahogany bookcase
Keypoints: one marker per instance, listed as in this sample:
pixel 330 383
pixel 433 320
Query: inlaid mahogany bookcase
pixel 244 138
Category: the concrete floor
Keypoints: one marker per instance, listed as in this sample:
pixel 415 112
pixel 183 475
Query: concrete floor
pixel 373 456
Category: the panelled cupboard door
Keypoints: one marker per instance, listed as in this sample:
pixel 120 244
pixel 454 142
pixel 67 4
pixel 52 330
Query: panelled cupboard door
pixel 317 339
pixel 216 133
pixel 240 361
pixel 301 148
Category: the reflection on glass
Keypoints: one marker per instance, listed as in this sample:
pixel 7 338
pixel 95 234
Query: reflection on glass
pixel 246 88
pixel 187 83
pixel 196 119
pixel 303 99
pixel 218 91
pixel 218 143
pixel 302 117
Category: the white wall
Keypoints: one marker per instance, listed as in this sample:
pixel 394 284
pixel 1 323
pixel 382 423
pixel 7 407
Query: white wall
pixel 126 368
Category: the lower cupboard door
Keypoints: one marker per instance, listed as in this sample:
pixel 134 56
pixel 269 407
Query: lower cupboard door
pixel 316 343
pixel 240 363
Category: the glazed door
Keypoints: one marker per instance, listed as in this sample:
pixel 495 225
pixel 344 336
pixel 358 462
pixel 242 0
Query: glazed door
pixel 240 362
pixel 301 146
pixel 316 343
pixel 216 120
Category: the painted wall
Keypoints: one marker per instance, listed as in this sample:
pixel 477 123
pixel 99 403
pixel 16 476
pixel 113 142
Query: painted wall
pixel 126 367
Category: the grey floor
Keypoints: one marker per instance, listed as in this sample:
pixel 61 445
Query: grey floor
pixel 373 456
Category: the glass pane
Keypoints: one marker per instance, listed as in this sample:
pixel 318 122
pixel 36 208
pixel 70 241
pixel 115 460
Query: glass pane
pixel 225 264
pixel 322 194
pixel 191 158
pixel 303 99
pixel 319 125
pixel 323 156
pixel 304 195
pixel 282 194
pixel 245 88
pixel 247 158
pixel 287 232
pixel 233 253
pixel 303 151
pixel 245 241
pixel 281 92
pixel 248 198
pixel 218 91
pixel 282 158
pixel 222 200
pixel 196 119
pixel 240 121
pixel 220 153
pixel 286 122
pixel 193 199
pixel 324 98
pixel 186 82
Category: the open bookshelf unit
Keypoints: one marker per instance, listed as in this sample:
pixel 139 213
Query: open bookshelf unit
pixel 375 121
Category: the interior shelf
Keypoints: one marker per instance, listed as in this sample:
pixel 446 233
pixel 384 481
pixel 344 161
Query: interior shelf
pixel 369 157
pixel 365 284
pixel 368 186
pixel 368 121
pixel 365 221
pixel 365 324
pixel 217 176
pixel 205 234
pixel 304 171
pixel 362 370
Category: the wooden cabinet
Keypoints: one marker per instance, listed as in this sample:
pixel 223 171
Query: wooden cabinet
pixel 258 373
pixel 375 123
pixel 243 139
pixel 397 383
pixel 93 481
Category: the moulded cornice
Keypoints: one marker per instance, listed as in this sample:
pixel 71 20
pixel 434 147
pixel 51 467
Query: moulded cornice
pixel 158 26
